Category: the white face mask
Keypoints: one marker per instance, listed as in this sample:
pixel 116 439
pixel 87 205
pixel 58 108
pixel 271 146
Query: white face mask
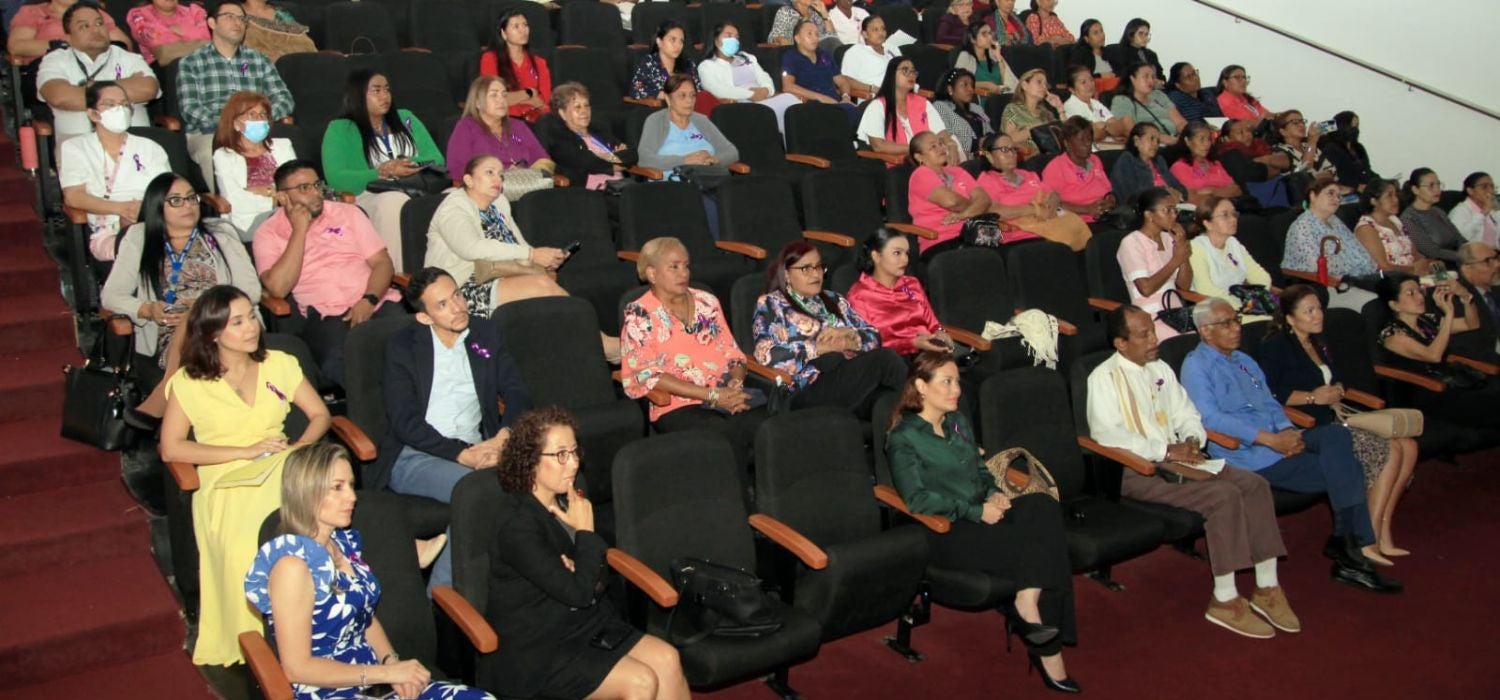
pixel 115 119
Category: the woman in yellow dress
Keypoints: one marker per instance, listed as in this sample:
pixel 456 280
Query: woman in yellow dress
pixel 234 395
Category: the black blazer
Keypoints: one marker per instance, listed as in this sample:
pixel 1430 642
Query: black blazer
pixel 1288 369
pixel 1122 57
pixel 1081 54
pixel 573 157
pixel 1480 342
pixel 1131 176
pixel 408 383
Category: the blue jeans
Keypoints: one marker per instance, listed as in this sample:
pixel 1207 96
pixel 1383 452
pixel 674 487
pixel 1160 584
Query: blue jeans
pixel 417 473
pixel 1328 464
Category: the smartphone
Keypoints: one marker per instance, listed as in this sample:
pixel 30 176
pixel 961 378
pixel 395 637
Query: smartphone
pixel 1327 127
pixel 573 247
pixel 940 342
pixel 380 691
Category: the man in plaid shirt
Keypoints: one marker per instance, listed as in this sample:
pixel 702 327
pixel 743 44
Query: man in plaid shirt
pixel 207 77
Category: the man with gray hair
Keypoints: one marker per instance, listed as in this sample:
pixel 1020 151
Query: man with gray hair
pixel 1230 391
pixel 1478 265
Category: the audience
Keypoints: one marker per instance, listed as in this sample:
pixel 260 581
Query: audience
pixel 1419 340
pixel 238 447
pixel 787 23
pixel 104 175
pixel 1132 48
pixel 546 568
pixel 733 75
pixel 1230 391
pixel 1109 131
pixel 1185 89
pixel 1089 53
pixel 1155 257
pixel 275 31
pixel 662 62
pixel 980 54
pixel 37 24
pixel 1143 166
pixel 1045 26
pixel 166 30
pixel 486 128
pixel 328 255
pixel 166 262
pixel 526 75
pixel 206 78
pixel 1032 106
pixel 1477 218
pixel 1138 99
pixel 849 21
pixel 1020 199
pixel 1008 25
pixel 1477 268
pixel 1235 100
pixel 1252 159
pixel 809 72
pixel 1344 151
pixel 955 23
pixel 1306 244
pixel 1077 176
pixel 1383 234
pixel 893 301
pixel 245 159
pixel 1298 144
pixel 832 354
pixel 318 596
pixel 897 114
pixel 1429 227
pixel 865 60
pixel 65 74
pixel 1135 404
pixel 957 105
pixel 942 196
pixel 1198 171
pixel 1299 371
pixel 444 381
pixel 937 466
pixel 677 137
pixel 1219 261
pixel 588 158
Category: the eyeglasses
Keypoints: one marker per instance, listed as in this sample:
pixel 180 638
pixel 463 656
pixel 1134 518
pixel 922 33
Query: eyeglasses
pixel 1004 149
pixel 1234 320
pixel 1227 215
pixel 908 70
pixel 306 187
pixel 1434 185
pixel 231 16
pixel 1296 122
pixel 178 201
pixel 1491 260
pixel 1245 78
pixel 254 115
pixel 109 104
pixel 566 457
pixel 810 269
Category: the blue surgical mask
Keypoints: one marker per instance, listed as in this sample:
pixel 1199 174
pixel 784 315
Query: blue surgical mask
pixel 730 45
pixel 257 131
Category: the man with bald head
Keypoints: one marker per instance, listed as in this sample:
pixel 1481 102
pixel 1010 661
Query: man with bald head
pixel 1478 267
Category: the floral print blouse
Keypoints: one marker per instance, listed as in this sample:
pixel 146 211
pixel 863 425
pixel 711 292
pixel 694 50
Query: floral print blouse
pixel 1306 235
pixel 786 332
pixel 650 76
pixel 653 344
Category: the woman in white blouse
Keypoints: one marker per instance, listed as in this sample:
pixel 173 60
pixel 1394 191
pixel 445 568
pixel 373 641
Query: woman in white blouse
pixel 1477 217
pixel 865 61
pixel 1219 261
pixel 245 158
pixel 732 75
pixel 1110 131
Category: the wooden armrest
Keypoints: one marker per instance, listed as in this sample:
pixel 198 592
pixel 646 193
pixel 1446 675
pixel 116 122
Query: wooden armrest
pixel 1298 418
pixel 889 497
pixel 651 102
pixel 18 61
pixel 985 90
pixel 739 168
pixel 1191 296
pixel 218 203
pixel 474 626
pixel 913 229
pixel 1105 305
pixel 416 49
pixel 628 255
pixel 658 396
pixel 1411 378
pixel 967 337
pixel 1135 462
pixel 186 476
pixel 355 439
pixel 792 541
pixel 1063 327
pixel 775 376
pixel 1481 365
pixel 278 306
pixel 561 181
pixel 117 324
pixel 42 127
pixel 749 250
pixel 930 95
pixel 645 172
pixel 1370 401
pixel 1310 277
pixel 77 217
pixel 945 47
pixel 168 122
pixel 861 93
pixel 265 666
pixel 892 158
pixel 287 120
pixel 570 46
pixel 1222 440
pixel 814 161
pixel 401 280
pixel 837 239
pixel 642 577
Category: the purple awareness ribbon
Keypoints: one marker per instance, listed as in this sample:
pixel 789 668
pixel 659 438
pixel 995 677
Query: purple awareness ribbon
pixel 276 391
pixel 336 231
pixel 138 165
pixel 244 68
pixel 1231 259
pixel 480 350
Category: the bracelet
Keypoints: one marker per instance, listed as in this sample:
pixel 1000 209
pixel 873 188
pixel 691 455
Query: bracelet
pixel 713 397
pixel 362 670
pixel 389 658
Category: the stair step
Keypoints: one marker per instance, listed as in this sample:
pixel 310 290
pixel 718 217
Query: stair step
pixel 170 675
pixel 19 224
pixel 36 458
pixel 106 611
pixel 25 269
pixel 62 527
pixel 35 321
pixel 31 383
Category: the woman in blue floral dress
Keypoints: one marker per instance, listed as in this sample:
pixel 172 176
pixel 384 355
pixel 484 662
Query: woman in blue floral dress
pixel 311 579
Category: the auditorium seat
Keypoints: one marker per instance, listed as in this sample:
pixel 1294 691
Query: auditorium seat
pixel 560 216
pixel 359 27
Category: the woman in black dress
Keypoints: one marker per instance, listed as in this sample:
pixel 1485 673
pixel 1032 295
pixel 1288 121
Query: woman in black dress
pixel 1417 340
pixel 561 640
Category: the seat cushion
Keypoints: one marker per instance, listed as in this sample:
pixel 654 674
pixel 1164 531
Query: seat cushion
pixel 968 590
pixel 1293 502
pixel 868 582
pixel 716 661
pixel 1177 523
pixel 1101 533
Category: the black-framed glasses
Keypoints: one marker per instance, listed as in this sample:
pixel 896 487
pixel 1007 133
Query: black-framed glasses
pixel 907 70
pixel 306 187
pixel 566 457
pixel 1004 149
pixel 810 268
pixel 178 201
pixel 1234 320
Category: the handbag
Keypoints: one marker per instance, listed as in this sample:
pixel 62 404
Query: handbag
pixel 428 180
pixel 1455 377
pixel 1179 319
pixel 1047 137
pixel 276 39
pixel 1255 299
pixel 95 398
pixel 523 181
pixel 720 600
pixel 982 230
pixel 1015 483
pixel 1386 422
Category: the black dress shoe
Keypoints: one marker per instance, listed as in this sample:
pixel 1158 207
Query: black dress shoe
pixel 1034 633
pixel 1066 685
pixel 1336 548
pixel 1365 577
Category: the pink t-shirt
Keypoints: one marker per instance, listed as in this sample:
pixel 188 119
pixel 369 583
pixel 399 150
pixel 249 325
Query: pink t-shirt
pixel 1001 190
pixel 1075 185
pixel 928 215
pixel 48 28
pixel 335 263
pixel 1201 175
pixel 1240 107
pixel 151 29
pixel 1139 259
pixel 1156 179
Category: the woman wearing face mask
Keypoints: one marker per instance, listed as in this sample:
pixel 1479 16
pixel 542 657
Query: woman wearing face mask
pixel 1141 101
pixel 1019 197
pixel 1201 175
pixel 734 75
pixel 1077 176
pixel 105 174
pixel 245 158
pixel 1185 89
pixel 1109 130
pixel 1142 167
pixel 1348 156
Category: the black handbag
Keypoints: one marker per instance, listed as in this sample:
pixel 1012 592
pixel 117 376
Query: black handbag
pixel 1455 376
pixel 714 599
pixel 1179 319
pixel 428 180
pixel 982 230
pixel 95 398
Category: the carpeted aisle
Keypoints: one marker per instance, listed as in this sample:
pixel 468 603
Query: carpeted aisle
pixel 84 610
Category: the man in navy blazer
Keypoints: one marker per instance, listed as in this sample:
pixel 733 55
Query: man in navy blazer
pixel 444 383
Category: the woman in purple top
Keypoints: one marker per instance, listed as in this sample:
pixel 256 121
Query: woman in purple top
pixel 486 128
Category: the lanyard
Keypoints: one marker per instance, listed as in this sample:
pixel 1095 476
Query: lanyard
pixel 87 76
pixel 176 260
pixel 114 172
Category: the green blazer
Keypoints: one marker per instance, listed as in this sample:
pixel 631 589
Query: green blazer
pixel 344 163
pixel 939 475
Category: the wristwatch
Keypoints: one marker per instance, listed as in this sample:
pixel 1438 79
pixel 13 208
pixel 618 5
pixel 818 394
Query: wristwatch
pixel 374 300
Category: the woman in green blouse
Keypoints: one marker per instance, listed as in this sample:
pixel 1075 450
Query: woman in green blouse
pixel 937 467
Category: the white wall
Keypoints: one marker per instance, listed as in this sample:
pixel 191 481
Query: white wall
pixel 1446 44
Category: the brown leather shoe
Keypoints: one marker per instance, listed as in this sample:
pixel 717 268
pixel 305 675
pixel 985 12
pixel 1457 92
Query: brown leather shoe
pixel 1271 604
pixel 1236 617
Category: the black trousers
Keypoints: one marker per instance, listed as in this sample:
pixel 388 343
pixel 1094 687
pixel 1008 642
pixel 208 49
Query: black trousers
pixel 325 337
pixel 851 382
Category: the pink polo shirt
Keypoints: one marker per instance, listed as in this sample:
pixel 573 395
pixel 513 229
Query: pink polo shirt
pixel 1075 185
pixel 1201 175
pixel 335 264
pixel 928 215
pixel 1240 107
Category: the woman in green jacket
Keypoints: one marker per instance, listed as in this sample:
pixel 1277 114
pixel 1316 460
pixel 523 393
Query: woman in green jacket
pixel 937 467
pixel 374 140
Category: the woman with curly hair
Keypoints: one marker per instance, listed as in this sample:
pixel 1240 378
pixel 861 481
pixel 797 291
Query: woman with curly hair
pixel 561 641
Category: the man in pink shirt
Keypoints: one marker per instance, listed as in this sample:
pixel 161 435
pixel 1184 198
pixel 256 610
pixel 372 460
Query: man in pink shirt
pixel 329 256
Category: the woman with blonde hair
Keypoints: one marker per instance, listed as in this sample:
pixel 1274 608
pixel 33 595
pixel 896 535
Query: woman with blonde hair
pixel 487 129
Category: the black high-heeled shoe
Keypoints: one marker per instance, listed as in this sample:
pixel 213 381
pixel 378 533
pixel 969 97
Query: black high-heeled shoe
pixel 1066 685
pixel 1032 634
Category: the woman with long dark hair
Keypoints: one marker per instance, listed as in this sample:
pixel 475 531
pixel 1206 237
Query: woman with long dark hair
pixel 526 74
pixel 894 301
pixel 1419 340
pixel 1185 89
pixel 1198 170
pixel 937 467
pixel 1138 98
pixel 813 334
pixel 899 113
pixel 1089 53
pixel 1235 100
pixel 1343 149
pixel 1382 232
pixel 1429 226
pixel 165 263
pixel 980 54
pixel 233 395
pixel 663 61
pixel 1132 48
pixel 1155 257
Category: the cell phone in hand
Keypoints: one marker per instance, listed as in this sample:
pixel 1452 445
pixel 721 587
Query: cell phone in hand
pixel 380 691
pixel 573 247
